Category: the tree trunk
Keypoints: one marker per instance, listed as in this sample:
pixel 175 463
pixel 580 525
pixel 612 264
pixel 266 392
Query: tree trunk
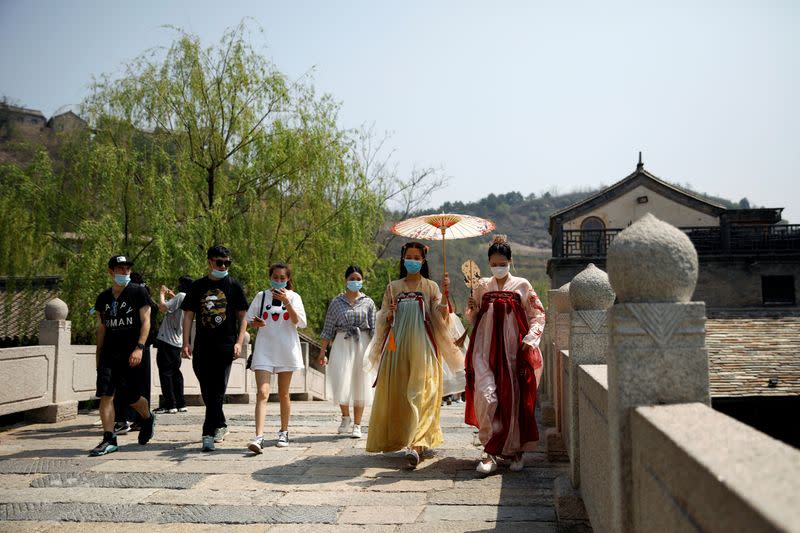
pixel 210 180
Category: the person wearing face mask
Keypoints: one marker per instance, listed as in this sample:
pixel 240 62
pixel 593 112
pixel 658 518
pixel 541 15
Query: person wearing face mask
pixel 503 362
pixel 410 343
pixel 169 343
pixel 277 314
pixel 349 324
pixel 123 311
pixel 217 304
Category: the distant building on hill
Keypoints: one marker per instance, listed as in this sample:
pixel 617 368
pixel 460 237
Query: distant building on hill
pixel 31 124
pixel 748 258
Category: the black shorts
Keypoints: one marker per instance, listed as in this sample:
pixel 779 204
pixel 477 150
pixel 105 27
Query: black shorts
pixel 116 377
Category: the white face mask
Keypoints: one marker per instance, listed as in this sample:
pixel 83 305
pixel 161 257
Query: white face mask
pixel 500 272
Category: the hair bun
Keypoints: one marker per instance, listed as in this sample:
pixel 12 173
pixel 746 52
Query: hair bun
pixel 499 239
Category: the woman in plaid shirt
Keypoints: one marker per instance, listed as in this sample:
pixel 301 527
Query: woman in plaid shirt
pixel 349 324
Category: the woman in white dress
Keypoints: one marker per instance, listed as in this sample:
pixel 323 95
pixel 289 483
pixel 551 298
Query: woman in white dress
pixel 349 324
pixel 277 314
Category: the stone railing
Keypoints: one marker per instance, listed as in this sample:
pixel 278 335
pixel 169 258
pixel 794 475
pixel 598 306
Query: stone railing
pixel 48 381
pixel 631 404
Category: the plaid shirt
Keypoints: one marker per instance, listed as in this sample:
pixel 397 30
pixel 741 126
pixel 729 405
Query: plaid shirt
pixel 350 318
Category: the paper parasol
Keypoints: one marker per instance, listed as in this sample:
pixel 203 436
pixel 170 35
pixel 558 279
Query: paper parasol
pixel 443 227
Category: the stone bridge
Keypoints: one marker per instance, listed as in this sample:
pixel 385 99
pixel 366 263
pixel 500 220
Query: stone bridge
pixel 630 442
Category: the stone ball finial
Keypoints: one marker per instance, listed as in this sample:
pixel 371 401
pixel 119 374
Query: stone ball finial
pixel 590 289
pixel 561 299
pixel 55 309
pixel 652 261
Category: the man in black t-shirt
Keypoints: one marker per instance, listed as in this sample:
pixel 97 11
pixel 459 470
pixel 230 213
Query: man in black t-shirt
pixel 125 418
pixel 124 324
pixel 218 304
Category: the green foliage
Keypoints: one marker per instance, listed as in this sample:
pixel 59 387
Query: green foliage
pixel 202 146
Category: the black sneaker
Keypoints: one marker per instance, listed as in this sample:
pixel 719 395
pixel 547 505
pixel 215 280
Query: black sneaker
pixel 165 411
pixel 412 456
pixel 148 429
pixel 105 447
pixel 121 428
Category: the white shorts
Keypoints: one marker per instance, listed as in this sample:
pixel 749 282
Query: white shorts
pixel 275 369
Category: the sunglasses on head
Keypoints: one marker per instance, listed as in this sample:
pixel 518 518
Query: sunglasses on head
pixel 223 262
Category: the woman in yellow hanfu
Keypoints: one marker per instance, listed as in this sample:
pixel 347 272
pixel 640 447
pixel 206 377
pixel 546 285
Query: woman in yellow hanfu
pixel 410 343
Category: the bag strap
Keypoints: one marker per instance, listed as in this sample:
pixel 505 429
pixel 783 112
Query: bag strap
pixel 261 310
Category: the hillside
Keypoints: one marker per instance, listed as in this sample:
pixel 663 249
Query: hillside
pixel 525 220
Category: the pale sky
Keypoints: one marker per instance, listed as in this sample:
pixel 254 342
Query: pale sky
pixel 505 96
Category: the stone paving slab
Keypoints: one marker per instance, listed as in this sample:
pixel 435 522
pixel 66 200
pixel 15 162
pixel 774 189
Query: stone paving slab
pixel 463 526
pixel 75 494
pixel 126 480
pixel 107 527
pixel 391 484
pixel 18 481
pixel 384 514
pixel 437 513
pixel 494 496
pixel 351 498
pixel 338 528
pixel 32 466
pixel 215 497
pixel 281 483
pixel 134 465
pixel 202 514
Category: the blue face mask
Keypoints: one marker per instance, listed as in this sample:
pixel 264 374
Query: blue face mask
pixel 278 284
pixel 412 266
pixel 354 285
pixel 219 274
pixel 122 279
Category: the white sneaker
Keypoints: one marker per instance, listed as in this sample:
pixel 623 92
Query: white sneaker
pixel 283 439
pixel 356 432
pixel 487 468
pixel 257 445
pixel 517 464
pixel 344 427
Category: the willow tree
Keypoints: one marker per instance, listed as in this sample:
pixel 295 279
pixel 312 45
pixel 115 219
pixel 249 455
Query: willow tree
pixel 194 146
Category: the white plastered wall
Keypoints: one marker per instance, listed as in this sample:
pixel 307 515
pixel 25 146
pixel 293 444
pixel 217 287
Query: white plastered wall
pixel 622 211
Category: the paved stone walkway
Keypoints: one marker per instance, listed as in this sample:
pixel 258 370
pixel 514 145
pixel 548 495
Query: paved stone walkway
pixel 321 483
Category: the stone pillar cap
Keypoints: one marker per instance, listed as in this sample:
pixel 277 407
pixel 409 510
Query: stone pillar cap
pixel 652 261
pixel 590 289
pixel 55 309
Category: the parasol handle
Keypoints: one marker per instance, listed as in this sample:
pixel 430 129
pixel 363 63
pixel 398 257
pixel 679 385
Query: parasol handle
pixel 444 259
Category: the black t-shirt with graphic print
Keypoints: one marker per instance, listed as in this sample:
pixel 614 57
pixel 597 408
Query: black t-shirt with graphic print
pixel 121 318
pixel 216 305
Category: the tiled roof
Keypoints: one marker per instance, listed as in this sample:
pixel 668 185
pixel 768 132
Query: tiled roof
pixel 746 352
pixel 22 309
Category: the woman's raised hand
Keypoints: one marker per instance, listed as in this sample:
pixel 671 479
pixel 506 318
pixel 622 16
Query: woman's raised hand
pixel 281 295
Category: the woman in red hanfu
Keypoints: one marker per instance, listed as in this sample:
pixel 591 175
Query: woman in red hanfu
pixel 503 363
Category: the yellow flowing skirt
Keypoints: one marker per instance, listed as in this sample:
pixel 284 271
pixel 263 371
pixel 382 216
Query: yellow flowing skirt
pixel 408 393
